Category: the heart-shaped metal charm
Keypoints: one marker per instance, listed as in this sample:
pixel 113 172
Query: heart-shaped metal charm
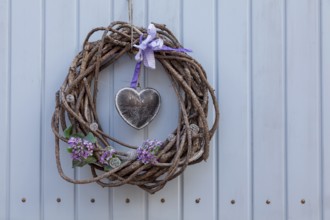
pixel 137 108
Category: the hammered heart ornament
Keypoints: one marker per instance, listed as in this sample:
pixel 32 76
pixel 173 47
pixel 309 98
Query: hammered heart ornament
pixel 137 108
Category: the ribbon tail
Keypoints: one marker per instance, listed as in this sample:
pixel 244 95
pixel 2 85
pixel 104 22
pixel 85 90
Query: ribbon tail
pixel 135 78
pixel 149 58
pixel 180 49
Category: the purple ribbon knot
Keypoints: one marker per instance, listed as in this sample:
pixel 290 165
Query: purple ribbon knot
pixel 146 52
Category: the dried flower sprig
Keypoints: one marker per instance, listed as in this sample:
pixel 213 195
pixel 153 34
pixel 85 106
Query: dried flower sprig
pixel 106 155
pixel 84 150
pixel 148 151
pixel 80 149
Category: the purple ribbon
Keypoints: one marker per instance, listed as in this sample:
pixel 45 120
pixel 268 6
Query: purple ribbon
pixel 146 52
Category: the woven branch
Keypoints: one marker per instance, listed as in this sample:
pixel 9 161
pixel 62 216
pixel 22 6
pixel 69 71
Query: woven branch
pixel 189 83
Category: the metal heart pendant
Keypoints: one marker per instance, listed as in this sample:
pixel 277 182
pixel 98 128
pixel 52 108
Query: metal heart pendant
pixel 137 108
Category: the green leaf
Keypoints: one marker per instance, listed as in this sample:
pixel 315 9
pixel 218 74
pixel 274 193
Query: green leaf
pixel 90 159
pixel 67 132
pixel 90 137
pixel 80 135
pixel 69 150
pixel 78 163
pixel 155 150
pixel 107 168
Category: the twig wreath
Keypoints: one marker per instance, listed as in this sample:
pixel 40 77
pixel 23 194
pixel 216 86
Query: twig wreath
pixel 153 163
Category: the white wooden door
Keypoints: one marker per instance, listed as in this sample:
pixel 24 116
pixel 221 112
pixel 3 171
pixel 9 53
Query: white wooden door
pixel 269 64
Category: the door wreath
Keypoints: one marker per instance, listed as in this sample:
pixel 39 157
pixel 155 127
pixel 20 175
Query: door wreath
pixel 153 163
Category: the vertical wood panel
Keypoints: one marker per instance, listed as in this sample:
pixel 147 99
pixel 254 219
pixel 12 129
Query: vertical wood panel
pixel 123 72
pixel 303 110
pixel 60 47
pixel 200 180
pixel 25 110
pixel 4 107
pixel 234 144
pixel 268 114
pixel 166 120
pixel 325 55
pixel 100 16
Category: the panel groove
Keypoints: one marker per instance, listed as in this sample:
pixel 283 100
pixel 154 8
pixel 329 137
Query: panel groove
pixel 285 109
pixel 250 107
pixel 146 84
pixel 215 141
pixel 181 177
pixel 75 173
pixel 321 145
pixel 325 108
pixel 111 124
pixel 8 120
pixel 42 108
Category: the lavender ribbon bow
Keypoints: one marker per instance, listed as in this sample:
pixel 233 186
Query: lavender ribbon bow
pixel 146 52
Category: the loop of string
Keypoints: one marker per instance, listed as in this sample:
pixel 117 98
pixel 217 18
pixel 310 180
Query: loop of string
pixel 130 18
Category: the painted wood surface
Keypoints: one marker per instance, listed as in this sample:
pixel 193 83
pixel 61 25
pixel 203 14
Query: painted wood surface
pixel 269 64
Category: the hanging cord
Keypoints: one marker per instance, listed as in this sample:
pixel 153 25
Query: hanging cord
pixel 130 18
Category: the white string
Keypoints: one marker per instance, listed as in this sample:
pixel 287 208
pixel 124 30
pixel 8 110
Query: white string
pixel 130 18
